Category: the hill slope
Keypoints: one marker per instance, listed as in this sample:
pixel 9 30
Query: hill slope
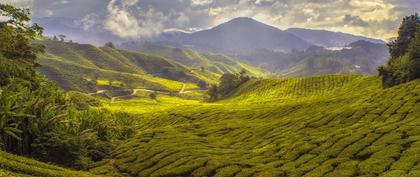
pixel 16 166
pixel 73 66
pixel 361 57
pixel 215 63
pixel 328 38
pixel 344 125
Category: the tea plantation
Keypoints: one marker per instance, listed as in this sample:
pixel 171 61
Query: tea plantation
pixel 338 125
pixel 17 166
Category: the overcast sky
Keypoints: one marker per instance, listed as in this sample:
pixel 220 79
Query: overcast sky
pixel 143 18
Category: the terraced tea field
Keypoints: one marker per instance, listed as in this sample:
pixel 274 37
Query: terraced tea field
pixel 16 166
pixel 344 125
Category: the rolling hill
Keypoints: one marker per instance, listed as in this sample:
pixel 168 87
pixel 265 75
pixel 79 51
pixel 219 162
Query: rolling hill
pixel 216 63
pixel 17 166
pixel 361 57
pixel 82 66
pixel 78 66
pixel 329 39
pixel 337 125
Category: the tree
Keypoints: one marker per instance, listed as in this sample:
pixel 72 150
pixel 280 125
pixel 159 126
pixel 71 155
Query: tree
pixel 62 37
pixel 16 35
pixel 110 45
pixel 404 64
pixel 406 32
pixel 153 96
pixel 202 84
pixel 227 84
pixel 413 53
pixel 202 69
pixel 55 38
pixel 213 93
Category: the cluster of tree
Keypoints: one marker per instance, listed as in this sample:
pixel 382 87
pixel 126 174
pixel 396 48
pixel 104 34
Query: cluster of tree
pixel 404 64
pixel 39 120
pixel 61 37
pixel 227 83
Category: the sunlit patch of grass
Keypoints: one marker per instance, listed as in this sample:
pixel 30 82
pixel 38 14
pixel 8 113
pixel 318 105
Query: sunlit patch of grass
pixel 12 165
pixel 143 103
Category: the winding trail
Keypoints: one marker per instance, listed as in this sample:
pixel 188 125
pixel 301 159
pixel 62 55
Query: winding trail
pixel 182 88
pixel 134 92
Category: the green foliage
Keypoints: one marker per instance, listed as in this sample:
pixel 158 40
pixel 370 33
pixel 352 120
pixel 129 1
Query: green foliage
pixel 39 120
pixel 404 64
pixel 153 96
pixel 16 35
pixel 228 83
pixel 406 32
pixel 202 84
pixel 110 45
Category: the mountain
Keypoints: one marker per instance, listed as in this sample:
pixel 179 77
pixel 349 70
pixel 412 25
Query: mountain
pixel 236 36
pixel 329 39
pixel 361 57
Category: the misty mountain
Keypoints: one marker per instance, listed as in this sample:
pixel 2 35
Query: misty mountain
pixel 236 36
pixel 329 39
pixel 360 57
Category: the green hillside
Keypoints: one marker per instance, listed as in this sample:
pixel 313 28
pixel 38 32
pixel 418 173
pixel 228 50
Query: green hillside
pixel 74 66
pixel 17 166
pixel 215 63
pixel 342 125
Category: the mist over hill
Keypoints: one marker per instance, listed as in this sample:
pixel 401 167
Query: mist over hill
pixel 360 57
pixel 329 39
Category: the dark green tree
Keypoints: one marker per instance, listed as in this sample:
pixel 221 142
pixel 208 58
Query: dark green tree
pixel 213 93
pixel 110 45
pixel 202 84
pixel 153 96
pixel 403 66
pixel 16 35
pixel 406 33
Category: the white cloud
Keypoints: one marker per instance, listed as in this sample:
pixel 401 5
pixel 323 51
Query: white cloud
pixel 128 20
pixel 201 2
pixel 88 21
pixel 19 3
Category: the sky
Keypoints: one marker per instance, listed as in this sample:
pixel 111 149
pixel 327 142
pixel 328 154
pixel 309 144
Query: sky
pixel 148 18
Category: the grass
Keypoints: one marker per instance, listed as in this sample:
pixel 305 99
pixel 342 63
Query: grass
pixel 142 103
pixel 342 125
pixel 17 166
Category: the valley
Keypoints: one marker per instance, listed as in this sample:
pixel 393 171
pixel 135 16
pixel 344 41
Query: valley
pixel 227 97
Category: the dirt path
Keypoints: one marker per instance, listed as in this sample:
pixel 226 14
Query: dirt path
pixel 134 92
pixel 97 92
pixel 182 88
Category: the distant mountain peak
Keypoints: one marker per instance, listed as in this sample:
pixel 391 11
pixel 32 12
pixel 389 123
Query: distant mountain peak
pixel 241 22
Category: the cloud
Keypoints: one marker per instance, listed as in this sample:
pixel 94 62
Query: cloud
pixel 19 3
pixel 354 21
pixel 143 18
pixel 88 21
pixel 127 20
